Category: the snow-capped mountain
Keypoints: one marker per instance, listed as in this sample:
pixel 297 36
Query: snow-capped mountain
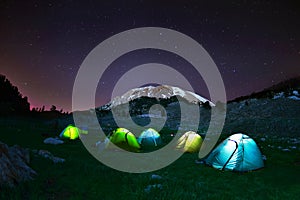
pixel 159 92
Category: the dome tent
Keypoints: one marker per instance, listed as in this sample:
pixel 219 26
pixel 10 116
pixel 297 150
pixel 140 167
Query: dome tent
pixel 238 152
pixel 72 132
pixel 189 142
pixel 124 139
pixel 149 138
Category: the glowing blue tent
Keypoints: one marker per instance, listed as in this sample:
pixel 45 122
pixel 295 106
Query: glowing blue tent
pixel 237 153
pixel 149 138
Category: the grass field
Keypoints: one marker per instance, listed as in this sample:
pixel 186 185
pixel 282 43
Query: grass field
pixel 83 177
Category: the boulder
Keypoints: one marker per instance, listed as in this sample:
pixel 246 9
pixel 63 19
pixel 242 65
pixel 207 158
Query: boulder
pixel 50 156
pixel 286 150
pixel 14 165
pixel 54 141
pixel 151 187
pixel 155 177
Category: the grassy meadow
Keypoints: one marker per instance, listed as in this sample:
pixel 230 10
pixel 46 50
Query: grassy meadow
pixel 84 177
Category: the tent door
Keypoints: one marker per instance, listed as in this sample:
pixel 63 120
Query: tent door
pixel 236 147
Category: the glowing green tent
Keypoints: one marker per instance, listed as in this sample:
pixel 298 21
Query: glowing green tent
pixel 237 153
pixel 189 142
pixel 124 139
pixel 72 132
pixel 149 138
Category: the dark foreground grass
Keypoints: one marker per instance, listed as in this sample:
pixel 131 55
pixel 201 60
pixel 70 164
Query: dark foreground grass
pixel 83 177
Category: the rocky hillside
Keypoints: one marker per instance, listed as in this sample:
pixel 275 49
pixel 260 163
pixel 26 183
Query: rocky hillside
pixel 272 111
pixel 265 116
pixel 278 114
pixel 286 88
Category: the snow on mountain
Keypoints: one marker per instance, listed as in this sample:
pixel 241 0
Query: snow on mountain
pixel 159 92
pixel 294 95
pixel 294 98
pixel 279 95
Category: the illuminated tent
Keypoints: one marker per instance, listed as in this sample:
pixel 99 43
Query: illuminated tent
pixel 124 139
pixel 237 153
pixel 149 138
pixel 189 142
pixel 72 132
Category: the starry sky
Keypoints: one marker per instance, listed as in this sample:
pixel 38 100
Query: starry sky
pixel 255 44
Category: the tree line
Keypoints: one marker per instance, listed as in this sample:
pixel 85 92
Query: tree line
pixel 13 102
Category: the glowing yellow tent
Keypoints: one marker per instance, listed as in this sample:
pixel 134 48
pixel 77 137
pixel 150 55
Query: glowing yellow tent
pixel 124 139
pixel 189 142
pixel 72 132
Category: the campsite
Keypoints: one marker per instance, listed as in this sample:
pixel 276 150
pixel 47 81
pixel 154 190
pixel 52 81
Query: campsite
pixel 256 157
pixel 82 176
pixel 149 100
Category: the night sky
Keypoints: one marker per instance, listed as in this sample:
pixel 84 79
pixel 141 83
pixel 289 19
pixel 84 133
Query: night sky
pixel 43 43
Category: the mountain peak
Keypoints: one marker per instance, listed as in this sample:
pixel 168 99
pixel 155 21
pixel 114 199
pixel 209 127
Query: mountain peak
pixel 159 92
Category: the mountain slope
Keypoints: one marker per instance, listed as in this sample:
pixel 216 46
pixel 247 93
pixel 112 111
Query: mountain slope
pixel 287 87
